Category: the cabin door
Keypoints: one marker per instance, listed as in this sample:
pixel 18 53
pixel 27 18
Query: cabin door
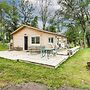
pixel 25 42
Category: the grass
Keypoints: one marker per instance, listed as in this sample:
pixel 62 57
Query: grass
pixel 3 47
pixel 72 73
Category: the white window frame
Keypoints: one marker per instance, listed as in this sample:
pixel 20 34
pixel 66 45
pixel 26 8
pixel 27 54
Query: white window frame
pixel 35 40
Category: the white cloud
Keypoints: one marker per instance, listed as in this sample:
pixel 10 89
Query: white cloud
pixel 55 5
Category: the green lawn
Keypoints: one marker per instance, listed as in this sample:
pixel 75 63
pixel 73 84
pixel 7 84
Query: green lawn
pixel 3 47
pixel 72 73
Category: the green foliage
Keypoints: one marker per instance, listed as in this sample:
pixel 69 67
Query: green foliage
pixel 12 15
pixel 88 36
pixel 84 3
pixel 74 35
pixel 9 18
pixel 3 47
pixel 76 11
pixel 4 6
pixel 51 28
pixel 34 22
pixel 52 25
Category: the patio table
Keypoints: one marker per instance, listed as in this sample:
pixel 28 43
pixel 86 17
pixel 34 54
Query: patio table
pixel 47 52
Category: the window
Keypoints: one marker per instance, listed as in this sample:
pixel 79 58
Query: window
pixel 35 40
pixel 50 40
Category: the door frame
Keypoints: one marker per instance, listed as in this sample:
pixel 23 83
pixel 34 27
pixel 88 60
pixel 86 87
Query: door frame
pixel 25 42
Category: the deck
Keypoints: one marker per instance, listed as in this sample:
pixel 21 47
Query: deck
pixel 53 61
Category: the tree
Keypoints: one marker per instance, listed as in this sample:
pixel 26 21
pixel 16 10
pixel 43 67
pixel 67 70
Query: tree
pixel 25 11
pixel 88 36
pixel 4 9
pixel 74 35
pixel 45 11
pixel 34 22
pixel 55 23
pixel 52 25
pixel 76 11
pixel 11 19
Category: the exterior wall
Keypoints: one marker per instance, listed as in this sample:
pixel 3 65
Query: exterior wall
pixel 18 38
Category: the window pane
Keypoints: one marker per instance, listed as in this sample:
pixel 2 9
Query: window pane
pixel 37 40
pixel 51 40
pixel 33 40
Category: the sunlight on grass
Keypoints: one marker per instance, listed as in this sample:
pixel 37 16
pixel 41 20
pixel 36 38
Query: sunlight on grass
pixel 3 47
pixel 73 72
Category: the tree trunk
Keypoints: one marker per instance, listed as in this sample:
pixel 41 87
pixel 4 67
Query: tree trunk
pixel 85 41
pixel 44 26
pixel 88 42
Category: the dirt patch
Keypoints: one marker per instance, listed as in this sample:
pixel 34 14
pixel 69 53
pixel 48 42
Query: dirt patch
pixel 3 83
pixel 35 86
pixel 70 88
pixel 30 86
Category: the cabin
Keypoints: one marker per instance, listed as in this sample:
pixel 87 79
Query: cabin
pixel 27 36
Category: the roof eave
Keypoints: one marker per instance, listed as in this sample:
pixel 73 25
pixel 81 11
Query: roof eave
pixel 36 29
